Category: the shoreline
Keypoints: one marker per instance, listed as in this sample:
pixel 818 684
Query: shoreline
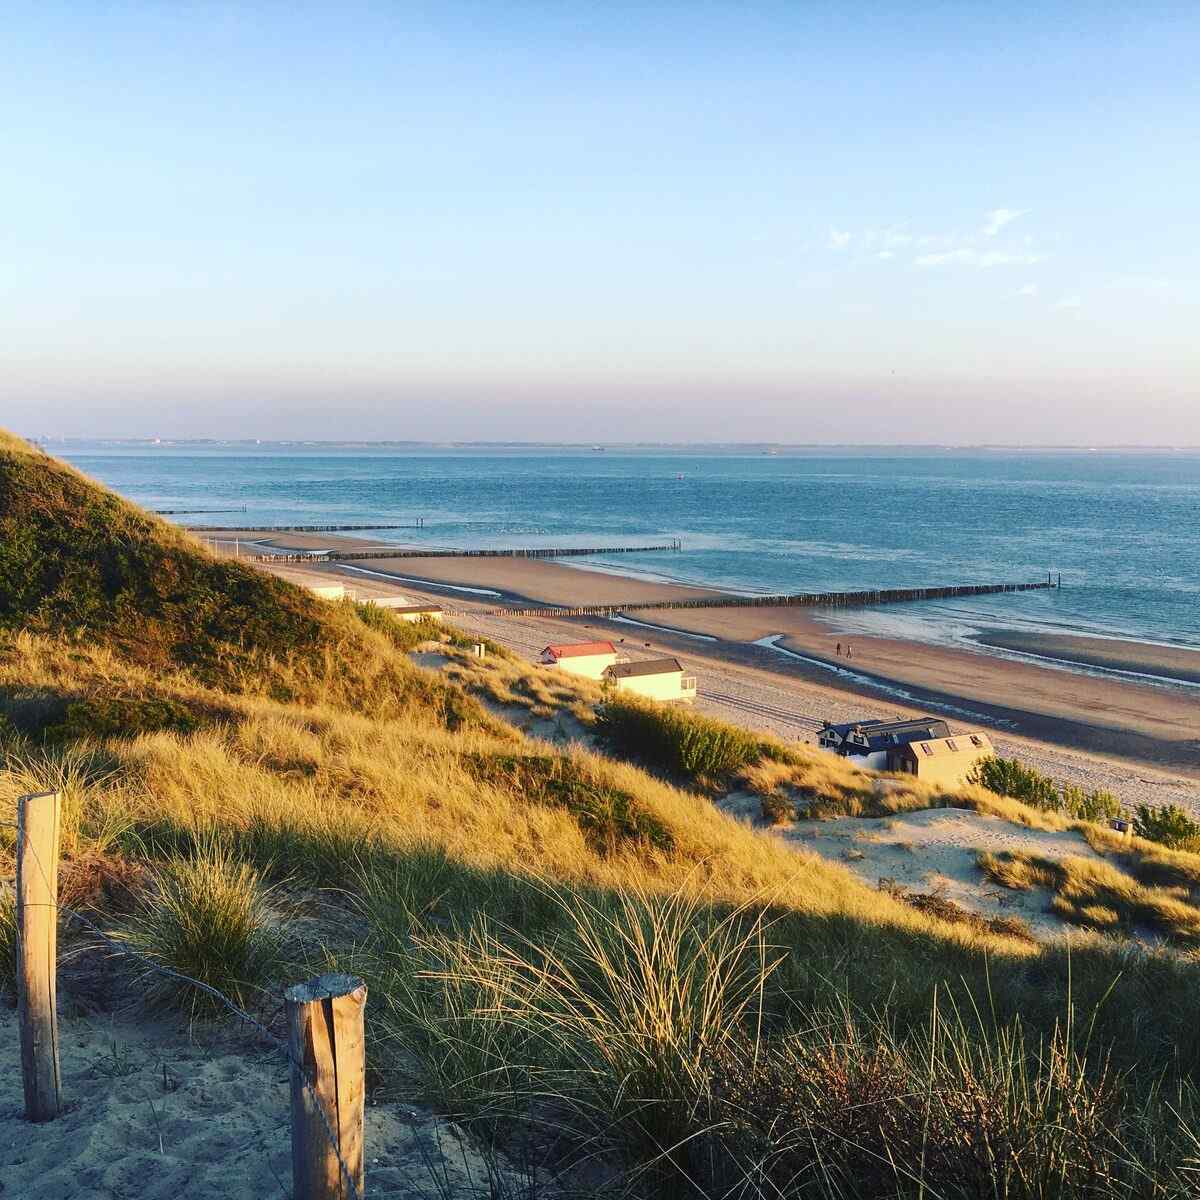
pixel 1129 722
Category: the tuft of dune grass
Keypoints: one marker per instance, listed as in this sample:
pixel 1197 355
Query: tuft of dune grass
pixel 204 915
pixel 1098 895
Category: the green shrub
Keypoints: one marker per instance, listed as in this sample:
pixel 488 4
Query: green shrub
pixel 1098 806
pixel 1169 825
pixel 610 819
pixel 1011 777
pixel 676 741
pixel 102 717
pixel 205 916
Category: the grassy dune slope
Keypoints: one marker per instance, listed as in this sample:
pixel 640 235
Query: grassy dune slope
pixel 582 960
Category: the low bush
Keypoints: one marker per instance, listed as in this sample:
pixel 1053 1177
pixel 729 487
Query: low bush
pixel 1011 777
pixel 610 818
pixel 677 741
pixel 105 717
pixel 205 916
pixel 1168 824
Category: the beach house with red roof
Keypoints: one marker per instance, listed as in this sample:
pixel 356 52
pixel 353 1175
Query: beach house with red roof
pixel 591 659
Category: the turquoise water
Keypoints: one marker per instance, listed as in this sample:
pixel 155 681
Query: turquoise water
pixel 1123 529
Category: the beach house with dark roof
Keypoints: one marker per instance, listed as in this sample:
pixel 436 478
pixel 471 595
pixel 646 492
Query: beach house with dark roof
pixel 591 659
pixel 654 678
pixel 869 743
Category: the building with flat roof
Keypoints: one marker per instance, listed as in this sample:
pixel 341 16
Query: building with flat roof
pixel 654 678
pixel 868 743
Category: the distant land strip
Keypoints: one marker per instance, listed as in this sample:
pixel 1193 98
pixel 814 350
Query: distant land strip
pixel 796 600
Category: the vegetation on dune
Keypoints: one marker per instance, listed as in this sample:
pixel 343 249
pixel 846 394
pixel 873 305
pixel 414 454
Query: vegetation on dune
pixel 204 915
pixel 1167 824
pixel 1010 777
pixel 79 563
pixel 1098 895
pixel 679 742
pixel 565 951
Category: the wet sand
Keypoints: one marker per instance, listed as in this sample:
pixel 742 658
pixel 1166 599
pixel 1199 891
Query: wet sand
pixel 1135 658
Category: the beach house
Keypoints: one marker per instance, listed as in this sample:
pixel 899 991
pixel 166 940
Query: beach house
pixel 327 591
pixel 405 609
pixel 869 743
pixel 581 658
pixel 417 612
pixel 654 678
pixel 947 761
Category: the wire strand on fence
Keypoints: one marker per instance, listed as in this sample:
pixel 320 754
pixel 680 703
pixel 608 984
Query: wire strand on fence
pixel 218 995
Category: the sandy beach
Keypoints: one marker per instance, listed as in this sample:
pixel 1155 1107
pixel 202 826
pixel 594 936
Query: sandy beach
pixel 1139 740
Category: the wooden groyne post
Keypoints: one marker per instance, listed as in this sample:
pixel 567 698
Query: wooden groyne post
pixel 518 552
pixel 38 819
pixel 795 600
pixel 327 1048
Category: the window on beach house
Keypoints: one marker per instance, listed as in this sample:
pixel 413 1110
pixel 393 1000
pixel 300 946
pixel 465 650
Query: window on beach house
pixel 951 745
pixel 977 741
pixel 927 747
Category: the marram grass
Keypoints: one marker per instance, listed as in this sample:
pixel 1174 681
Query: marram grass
pixel 205 916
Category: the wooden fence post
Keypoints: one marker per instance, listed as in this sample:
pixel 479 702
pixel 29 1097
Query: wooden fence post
pixel 328 1060
pixel 37 952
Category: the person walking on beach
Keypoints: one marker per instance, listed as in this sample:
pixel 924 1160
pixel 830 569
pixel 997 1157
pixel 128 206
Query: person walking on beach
pixel 839 649
pixel 849 652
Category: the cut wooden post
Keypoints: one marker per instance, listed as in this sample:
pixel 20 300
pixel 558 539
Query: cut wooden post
pixel 328 1053
pixel 37 952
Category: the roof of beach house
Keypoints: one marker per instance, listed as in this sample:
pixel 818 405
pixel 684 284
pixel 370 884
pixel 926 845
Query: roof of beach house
pixel 974 742
pixel 580 649
pixel 883 735
pixel 647 666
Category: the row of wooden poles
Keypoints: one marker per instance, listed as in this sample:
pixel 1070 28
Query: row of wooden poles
pixel 518 552
pixel 326 1039
pixel 795 600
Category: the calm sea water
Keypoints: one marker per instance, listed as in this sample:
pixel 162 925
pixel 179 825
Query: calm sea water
pixel 1123 529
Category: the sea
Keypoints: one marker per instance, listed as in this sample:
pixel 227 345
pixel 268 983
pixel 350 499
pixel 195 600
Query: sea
pixel 1121 528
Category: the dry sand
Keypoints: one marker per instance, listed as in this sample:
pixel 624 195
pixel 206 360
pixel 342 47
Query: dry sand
pixel 1139 741
pixel 934 851
pixel 158 1115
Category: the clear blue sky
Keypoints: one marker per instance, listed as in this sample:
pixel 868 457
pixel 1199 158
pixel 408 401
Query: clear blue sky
pixel 907 222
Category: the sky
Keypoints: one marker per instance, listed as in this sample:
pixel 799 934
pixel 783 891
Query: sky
pixel 949 223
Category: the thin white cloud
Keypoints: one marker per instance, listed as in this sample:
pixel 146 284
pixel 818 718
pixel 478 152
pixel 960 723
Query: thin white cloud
pixel 966 256
pixel 1070 301
pixel 999 217
pixel 886 254
pixel 1030 289
pixel 839 239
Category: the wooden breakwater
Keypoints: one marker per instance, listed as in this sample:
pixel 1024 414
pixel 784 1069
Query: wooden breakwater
pixel 796 600
pixel 195 512
pixel 519 552
pixel 295 528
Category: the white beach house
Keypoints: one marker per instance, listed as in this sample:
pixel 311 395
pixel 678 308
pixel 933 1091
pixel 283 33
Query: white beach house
pixel 654 678
pixel 327 591
pixel 591 659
